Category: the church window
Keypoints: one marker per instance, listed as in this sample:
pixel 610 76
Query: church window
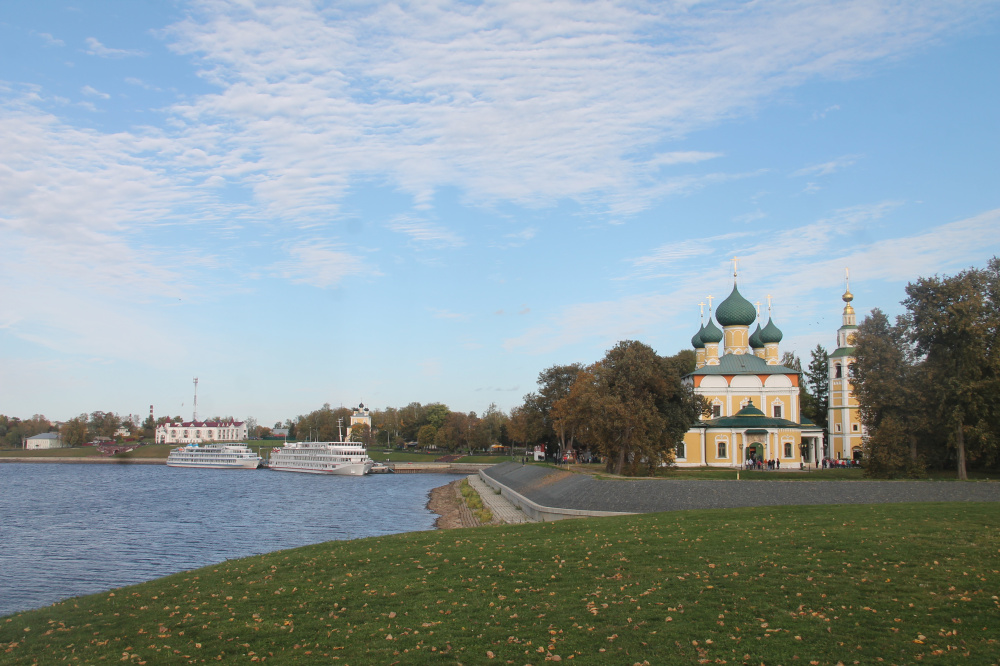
pixel 777 411
pixel 788 449
pixel 837 427
pixel 716 411
pixel 854 427
pixel 836 371
pixel 681 451
pixel 722 450
pixel 850 370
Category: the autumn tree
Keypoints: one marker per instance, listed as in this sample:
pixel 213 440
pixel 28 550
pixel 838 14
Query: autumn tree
pixel 74 431
pixel 641 409
pixel 426 436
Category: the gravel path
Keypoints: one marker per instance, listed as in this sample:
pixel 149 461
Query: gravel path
pixel 566 490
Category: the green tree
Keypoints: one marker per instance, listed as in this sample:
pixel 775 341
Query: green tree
pixel 889 406
pixel 817 377
pixel 103 424
pixel 953 323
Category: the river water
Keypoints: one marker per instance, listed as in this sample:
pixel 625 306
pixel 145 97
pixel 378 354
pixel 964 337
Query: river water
pixel 73 529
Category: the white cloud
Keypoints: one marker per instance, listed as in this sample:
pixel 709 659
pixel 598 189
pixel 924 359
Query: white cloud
pixel 93 92
pixel 95 48
pixel 530 103
pixel 426 233
pixel 826 168
pixel 318 263
pixel 50 40
pixel 792 265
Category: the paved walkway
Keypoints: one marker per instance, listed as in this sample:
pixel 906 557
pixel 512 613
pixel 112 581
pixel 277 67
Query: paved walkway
pixel 554 488
pixel 499 506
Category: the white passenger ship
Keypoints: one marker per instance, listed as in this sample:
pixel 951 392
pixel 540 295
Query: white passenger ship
pixel 321 458
pixel 349 458
pixel 222 456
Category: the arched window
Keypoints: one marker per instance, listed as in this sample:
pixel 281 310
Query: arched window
pixel 850 370
pixel 681 451
pixel 837 371
pixel 722 450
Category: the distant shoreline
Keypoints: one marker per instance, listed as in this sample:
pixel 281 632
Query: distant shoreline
pixel 86 460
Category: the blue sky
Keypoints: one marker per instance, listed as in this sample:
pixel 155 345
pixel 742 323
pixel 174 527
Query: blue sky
pixel 311 202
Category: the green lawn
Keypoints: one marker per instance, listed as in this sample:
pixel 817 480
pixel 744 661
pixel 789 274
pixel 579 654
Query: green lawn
pixel 902 583
pixel 79 452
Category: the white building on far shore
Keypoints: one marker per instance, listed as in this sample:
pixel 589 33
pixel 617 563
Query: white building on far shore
pixel 47 440
pixel 192 432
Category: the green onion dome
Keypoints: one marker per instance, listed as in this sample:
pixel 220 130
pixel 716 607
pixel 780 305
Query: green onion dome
pixel 770 333
pixel 755 341
pixel 711 333
pixel 736 310
pixel 696 341
pixel 749 410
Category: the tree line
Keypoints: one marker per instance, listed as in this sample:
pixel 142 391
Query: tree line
pixel 928 384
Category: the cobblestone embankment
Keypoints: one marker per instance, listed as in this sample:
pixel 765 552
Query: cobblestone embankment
pixel 582 494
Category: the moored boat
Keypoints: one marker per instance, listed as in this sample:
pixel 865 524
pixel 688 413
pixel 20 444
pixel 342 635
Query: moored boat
pixel 216 456
pixel 348 458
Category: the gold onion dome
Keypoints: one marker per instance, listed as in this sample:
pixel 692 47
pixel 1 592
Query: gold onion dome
pixel 736 310
pixel 848 297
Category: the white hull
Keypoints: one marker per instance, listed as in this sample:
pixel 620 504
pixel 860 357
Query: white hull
pixel 342 458
pixel 214 456
pixel 250 464
pixel 346 470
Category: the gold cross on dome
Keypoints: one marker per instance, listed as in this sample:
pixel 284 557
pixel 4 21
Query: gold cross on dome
pixel 710 297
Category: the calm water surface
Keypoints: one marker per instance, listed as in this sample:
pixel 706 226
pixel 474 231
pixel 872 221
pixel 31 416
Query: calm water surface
pixel 73 529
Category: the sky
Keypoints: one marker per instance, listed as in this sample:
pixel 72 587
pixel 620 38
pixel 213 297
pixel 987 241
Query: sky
pixel 302 203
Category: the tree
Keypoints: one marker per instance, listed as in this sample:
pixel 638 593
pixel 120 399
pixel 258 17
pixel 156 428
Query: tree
pixel 554 384
pixel 954 324
pixel 889 406
pixel 104 424
pixel 74 431
pixel 426 436
pixel 817 378
pixel 641 409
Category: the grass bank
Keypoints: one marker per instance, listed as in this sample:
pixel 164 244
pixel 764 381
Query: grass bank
pixel 811 585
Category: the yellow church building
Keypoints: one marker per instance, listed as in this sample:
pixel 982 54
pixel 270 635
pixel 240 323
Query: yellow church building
pixel 754 401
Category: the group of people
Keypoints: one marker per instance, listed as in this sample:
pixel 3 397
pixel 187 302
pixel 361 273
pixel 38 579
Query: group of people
pixel 759 464
pixel 830 463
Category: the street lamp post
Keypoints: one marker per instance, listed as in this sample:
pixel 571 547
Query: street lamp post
pixel 742 459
